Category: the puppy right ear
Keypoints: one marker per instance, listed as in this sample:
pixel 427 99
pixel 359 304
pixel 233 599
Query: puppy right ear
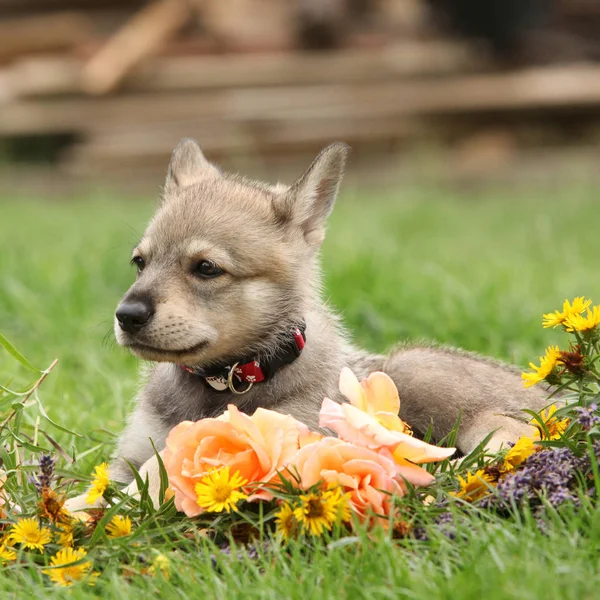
pixel 188 165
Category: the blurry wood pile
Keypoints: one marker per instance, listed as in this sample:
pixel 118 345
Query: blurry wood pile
pixel 125 79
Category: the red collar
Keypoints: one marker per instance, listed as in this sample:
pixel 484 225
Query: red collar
pixel 227 377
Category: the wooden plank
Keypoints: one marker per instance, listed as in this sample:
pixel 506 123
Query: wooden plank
pixel 547 89
pixel 280 69
pixel 142 35
pixel 35 76
pixel 42 33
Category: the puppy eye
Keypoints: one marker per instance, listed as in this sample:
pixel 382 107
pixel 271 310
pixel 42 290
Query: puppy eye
pixel 139 262
pixel 207 269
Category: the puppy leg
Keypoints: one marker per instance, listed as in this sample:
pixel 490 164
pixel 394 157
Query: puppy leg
pixel 134 446
pixel 149 469
pixel 438 386
pixel 506 429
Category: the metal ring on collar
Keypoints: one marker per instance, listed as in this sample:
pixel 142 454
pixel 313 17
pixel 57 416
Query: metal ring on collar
pixel 230 381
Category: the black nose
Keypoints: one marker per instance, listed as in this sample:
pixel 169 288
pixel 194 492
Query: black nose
pixel 133 315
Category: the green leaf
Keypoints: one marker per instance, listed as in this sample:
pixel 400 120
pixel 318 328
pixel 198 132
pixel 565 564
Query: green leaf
pixel 17 355
pixel 164 478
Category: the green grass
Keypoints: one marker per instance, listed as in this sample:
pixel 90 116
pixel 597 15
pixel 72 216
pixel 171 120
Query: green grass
pixel 475 272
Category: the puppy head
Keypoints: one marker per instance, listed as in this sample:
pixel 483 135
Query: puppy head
pixel 226 264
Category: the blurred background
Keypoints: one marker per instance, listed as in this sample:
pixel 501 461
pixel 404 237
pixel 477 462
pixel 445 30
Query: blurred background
pixel 101 90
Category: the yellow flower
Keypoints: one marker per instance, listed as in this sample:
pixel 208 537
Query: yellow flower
pixel 64 535
pixel 160 565
pixel 474 486
pixel 287 525
pixel 216 491
pixel 558 318
pixel 99 483
pixel 66 573
pixel 29 534
pixel 555 427
pixel 318 512
pixel 119 526
pixel 580 323
pixel 520 452
pixel 342 501
pixel 6 551
pixel 547 364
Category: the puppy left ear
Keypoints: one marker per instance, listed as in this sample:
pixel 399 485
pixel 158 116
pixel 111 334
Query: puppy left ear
pixel 188 165
pixel 309 201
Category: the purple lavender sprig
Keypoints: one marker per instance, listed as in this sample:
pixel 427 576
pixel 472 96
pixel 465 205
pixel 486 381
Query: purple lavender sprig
pixel 551 473
pixel 44 478
pixel 587 417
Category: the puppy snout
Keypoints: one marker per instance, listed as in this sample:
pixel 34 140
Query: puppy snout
pixel 133 315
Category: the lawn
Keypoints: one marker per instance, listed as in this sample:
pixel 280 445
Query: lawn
pixel 471 270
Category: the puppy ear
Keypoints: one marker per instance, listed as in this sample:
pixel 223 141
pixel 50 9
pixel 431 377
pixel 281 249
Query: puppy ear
pixel 188 165
pixel 309 201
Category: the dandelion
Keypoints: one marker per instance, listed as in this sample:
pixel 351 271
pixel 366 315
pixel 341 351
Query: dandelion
pixel 99 483
pixel 475 486
pixel 557 318
pixel 6 551
pixel 287 525
pixel 217 491
pixel 29 534
pixel 119 526
pixel 554 427
pixel 318 512
pixel 548 363
pixel 65 535
pixel 160 565
pixel 520 452
pixel 577 322
pixel 66 572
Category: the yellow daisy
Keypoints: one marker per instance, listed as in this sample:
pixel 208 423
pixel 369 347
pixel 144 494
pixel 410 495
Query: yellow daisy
pixel 317 512
pixel 6 551
pixel 66 572
pixel 64 535
pixel 217 491
pixel 578 322
pixel 119 527
pixel 475 486
pixel 521 451
pixel 548 363
pixel 286 522
pixel 342 501
pixel 29 534
pixel 555 427
pixel 160 565
pixel 99 483
pixel 558 318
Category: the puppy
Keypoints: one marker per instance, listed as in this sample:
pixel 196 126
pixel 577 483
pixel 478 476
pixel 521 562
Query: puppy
pixel 227 305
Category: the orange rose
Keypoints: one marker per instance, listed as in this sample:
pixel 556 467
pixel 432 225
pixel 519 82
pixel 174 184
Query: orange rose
pixel 371 420
pixel 256 447
pixel 369 477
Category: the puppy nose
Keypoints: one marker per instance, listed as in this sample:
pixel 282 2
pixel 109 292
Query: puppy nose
pixel 132 316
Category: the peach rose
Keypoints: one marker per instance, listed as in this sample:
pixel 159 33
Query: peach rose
pixel 256 447
pixel 371 420
pixel 368 476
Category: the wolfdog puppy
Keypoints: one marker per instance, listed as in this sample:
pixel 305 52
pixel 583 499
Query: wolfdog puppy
pixel 227 304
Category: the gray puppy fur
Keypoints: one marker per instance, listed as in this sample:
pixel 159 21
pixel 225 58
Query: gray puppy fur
pixel 266 239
